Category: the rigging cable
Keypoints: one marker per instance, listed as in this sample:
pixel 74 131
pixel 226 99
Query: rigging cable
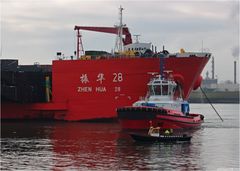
pixel 211 103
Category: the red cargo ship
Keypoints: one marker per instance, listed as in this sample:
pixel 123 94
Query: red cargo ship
pixel 94 86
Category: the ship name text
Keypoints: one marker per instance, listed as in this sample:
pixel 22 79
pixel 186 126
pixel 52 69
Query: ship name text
pixel 100 78
pixel 101 89
pixel 85 80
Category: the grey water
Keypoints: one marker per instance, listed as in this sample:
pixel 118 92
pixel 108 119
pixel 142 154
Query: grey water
pixel 48 145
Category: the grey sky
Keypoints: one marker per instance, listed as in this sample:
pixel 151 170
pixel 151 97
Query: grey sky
pixel 34 30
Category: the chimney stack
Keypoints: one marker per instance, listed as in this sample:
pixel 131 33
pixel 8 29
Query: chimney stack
pixel 235 72
pixel 212 67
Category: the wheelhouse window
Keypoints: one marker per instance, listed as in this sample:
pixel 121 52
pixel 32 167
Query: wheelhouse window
pixel 171 89
pixel 165 90
pixel 151 90
pixel 157 89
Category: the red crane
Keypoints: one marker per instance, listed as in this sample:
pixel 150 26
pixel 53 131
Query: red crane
pixel 113 30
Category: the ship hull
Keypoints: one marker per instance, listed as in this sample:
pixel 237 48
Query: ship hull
pixel 94 89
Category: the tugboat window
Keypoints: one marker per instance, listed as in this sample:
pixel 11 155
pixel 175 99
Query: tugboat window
pixel 165 90
pixel 170 89
pixel 153 90
pixel 157 90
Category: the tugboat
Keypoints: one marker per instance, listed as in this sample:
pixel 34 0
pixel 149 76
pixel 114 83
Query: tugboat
pixel 162 106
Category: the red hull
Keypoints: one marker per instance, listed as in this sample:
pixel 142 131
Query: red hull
pixel 140 118
pixel 79 93
pixel 166 122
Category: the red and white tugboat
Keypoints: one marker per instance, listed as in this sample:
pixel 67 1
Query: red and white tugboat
pixel 163 106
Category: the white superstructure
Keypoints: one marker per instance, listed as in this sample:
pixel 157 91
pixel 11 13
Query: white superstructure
pixel 137 47
pixel 162 94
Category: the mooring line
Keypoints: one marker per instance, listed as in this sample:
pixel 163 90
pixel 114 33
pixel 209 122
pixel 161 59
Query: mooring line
pixel 211 104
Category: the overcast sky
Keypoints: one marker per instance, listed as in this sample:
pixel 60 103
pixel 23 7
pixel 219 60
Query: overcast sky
pixel 34 30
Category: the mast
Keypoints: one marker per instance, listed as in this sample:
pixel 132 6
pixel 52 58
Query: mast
pixel 119 41
pixel 79 44
pixel 161 57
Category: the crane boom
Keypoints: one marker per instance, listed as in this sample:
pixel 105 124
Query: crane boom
pixel 113 30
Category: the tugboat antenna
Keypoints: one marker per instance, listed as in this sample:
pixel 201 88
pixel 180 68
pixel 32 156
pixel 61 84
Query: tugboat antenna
pixel 161 66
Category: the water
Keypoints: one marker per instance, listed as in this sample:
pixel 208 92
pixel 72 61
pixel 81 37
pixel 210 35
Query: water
pixel 103 146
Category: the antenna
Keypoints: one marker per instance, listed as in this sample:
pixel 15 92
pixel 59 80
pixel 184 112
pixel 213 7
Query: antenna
pixel 137 37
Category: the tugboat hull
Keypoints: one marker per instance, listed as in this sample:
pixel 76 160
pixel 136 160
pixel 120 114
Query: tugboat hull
pixel 139 118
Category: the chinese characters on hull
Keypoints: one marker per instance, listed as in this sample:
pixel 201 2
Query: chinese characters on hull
pixel 100 78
